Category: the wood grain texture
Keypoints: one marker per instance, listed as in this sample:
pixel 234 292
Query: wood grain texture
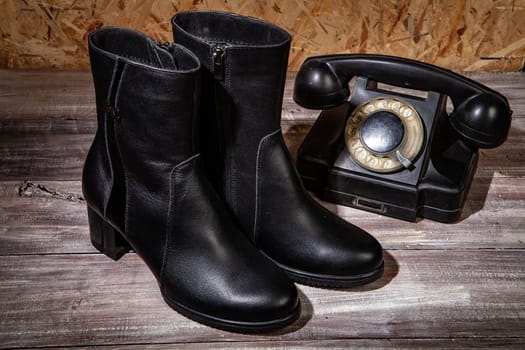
pixel 60 156
pixel 43 218
pixel 91 300
pixel 458 34
pixel 51 220
pixel 455 286
pixel 339 344
pixel 47 120
pixel 42 96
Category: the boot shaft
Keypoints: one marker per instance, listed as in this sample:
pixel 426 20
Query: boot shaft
pixel 244 70
pixel 147 98
pixel 246 57
pixel 150 90
pixel 245 62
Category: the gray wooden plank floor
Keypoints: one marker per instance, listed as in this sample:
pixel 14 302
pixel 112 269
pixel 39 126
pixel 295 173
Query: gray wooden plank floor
pixel 456 286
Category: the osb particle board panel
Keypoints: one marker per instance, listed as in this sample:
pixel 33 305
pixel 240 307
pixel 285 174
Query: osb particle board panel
pixel 456 34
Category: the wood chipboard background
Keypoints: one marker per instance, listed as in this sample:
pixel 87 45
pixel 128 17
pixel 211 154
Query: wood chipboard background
pixel 468 35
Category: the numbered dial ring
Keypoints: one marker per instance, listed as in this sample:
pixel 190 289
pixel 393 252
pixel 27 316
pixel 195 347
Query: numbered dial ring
pixel 384 135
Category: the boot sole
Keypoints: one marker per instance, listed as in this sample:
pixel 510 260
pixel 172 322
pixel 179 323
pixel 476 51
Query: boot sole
pixel 113 244
pixel 231 325
pixel 327 281
pixel 331 281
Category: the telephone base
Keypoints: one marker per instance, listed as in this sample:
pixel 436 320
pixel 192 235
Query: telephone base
pixel 380 207
pixel 438 193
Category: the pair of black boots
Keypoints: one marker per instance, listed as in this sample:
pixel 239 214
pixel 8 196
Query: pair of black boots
pixel 223 230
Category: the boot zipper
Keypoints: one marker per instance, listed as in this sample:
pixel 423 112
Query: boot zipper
pixel 218 61
pixel 218 54
pixel 111 108
pixel 168 47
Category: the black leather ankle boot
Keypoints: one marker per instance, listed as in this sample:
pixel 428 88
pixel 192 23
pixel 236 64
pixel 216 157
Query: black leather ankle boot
pixel 146 192
pixel 244 61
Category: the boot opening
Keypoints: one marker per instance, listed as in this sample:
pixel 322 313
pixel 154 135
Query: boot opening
pixel 233 29
pixel 140 48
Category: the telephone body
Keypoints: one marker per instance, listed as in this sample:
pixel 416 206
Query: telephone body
pixel 389 152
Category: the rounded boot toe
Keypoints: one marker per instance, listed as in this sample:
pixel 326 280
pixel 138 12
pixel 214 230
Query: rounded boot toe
pixel 251 298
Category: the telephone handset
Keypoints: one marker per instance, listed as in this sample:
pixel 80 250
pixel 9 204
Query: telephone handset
pixel 390 152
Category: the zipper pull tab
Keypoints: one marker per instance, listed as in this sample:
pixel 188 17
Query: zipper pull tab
pixel 165 45
pixel 112 113
pixel 218 62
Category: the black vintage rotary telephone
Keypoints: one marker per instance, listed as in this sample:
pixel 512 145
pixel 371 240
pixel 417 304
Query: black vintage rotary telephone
pixel 389 152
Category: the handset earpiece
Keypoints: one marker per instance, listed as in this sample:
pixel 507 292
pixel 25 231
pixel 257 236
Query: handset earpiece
pixel 318 87
pixel 482 120
pixel 481 115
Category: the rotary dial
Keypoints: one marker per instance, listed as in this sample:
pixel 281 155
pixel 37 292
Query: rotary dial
pixel 384 135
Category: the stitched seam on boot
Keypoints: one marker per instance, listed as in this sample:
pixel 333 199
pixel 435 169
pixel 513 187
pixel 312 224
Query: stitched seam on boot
pixel 141 63
pixel 117 93
pixel 231 163
pixel 168 226
pixel 262 144
pixel 106 133
pixel 249 45
pixel 220 133
pixel 159 61
pixel 126 204
pixel 169 219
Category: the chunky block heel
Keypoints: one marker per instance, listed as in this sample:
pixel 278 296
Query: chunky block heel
pixel 105 237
